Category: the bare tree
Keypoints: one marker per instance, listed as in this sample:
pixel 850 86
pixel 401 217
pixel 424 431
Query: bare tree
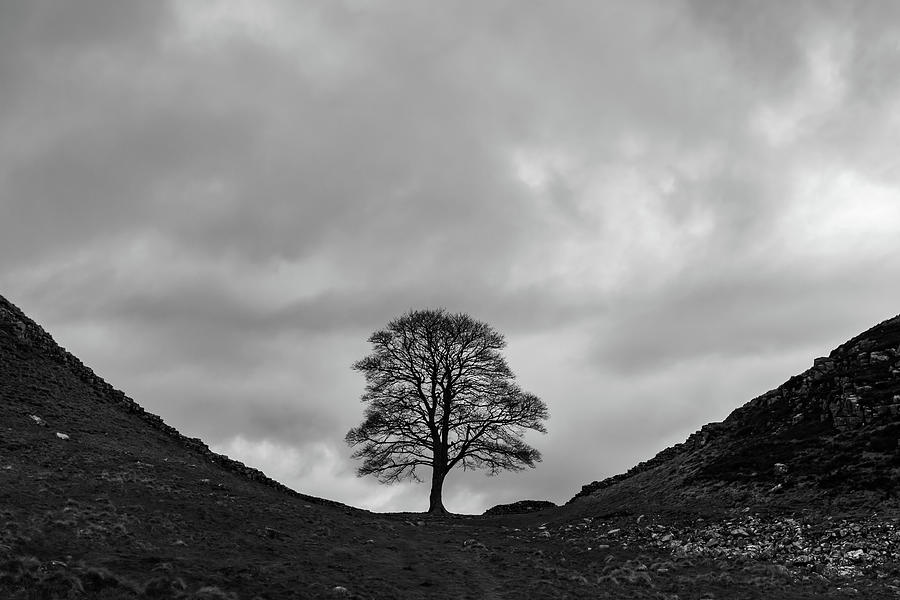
pixel 439 394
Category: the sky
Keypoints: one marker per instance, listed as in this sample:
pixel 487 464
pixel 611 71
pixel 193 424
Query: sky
pixel 667 207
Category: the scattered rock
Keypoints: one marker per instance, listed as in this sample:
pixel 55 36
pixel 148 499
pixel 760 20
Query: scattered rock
pixel 793 546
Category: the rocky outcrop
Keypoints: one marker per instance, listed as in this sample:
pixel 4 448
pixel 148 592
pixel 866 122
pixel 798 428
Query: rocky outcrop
pixel 520 507
pixel 857 384
pixel 837 423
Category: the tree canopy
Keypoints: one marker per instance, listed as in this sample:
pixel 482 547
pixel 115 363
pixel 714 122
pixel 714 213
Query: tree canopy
pixel 439 394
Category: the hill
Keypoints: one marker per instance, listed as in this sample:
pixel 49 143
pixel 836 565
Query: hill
pixel 100 499
pixel 826 438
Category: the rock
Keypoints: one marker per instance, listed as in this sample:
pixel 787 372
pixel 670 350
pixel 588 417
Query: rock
pixel 340 591
pixel 211 592
pixel 856 555
pixel 522 506
pixel 38 421
pixel 879 357
pixel 62 436
pixel 780 468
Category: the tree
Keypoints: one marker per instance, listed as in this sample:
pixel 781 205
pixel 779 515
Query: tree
pixel 439 394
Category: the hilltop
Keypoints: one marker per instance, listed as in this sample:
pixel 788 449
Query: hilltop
pixel 100 499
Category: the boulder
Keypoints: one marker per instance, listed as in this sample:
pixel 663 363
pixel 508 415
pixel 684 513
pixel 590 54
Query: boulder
pixel 522 506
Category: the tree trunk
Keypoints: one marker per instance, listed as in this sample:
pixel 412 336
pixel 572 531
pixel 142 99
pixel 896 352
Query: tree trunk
pixel 435 503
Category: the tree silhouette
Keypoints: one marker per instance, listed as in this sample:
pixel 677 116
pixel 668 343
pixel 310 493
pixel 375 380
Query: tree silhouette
pixel 439 394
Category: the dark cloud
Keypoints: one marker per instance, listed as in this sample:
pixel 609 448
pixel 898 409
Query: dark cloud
pixel 741 309
pixel 214 204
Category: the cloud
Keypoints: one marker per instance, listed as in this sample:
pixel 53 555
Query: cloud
pixel 215 203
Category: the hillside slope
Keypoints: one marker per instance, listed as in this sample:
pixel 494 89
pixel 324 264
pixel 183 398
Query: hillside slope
pixel 826 438
pixel 101 500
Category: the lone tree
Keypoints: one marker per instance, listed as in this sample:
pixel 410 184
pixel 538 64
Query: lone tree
pixel 439 394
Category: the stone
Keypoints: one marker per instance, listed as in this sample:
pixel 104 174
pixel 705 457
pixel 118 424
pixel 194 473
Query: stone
pixel 62 436
pixel 211 592
pixel 38 421
pixel 879 357
pixel 522 506
pixel 856 554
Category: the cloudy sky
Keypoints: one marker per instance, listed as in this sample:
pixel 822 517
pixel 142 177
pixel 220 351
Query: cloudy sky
pixel 668 208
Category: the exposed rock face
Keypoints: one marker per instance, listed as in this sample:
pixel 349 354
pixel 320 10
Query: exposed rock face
pixel 830 433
